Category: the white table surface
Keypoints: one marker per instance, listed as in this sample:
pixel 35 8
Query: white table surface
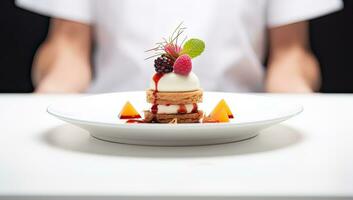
pixel 310 155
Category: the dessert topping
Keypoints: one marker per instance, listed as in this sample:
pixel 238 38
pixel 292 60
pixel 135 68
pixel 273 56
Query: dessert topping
pixel 183 65
pixel 170 50
pixel 163 64
pixel 173 50
pixel 156 78
pixel 193 47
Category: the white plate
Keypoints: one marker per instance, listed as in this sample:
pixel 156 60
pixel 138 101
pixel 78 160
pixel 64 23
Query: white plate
pixel 98 114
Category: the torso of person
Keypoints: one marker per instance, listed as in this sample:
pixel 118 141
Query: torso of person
pixel 234 33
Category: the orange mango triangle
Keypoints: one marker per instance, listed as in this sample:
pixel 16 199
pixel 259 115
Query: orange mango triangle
pixel 223 105
pixel 129 112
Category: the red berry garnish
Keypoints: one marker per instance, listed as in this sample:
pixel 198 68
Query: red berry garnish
pixel 183 65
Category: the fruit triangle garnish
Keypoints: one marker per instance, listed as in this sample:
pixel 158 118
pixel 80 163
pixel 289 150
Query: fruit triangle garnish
pixel 222 105
pixel 129 112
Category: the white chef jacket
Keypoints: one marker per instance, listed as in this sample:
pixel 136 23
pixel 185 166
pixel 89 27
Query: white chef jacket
pixel 234 32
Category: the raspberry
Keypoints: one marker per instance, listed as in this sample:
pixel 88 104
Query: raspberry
pixel 183 65
pixel 163 64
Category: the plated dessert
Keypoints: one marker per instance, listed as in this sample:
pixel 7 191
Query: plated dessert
pixel 175 92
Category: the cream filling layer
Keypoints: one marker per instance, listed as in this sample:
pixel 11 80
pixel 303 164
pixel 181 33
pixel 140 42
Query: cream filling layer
pixel 173 109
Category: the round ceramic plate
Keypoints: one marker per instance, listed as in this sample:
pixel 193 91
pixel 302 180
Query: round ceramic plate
pixel 98 114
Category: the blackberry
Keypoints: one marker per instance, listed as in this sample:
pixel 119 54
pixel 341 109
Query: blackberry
pixel 163 64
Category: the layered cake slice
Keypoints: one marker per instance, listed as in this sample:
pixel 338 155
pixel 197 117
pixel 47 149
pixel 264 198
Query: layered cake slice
pixel 175 92
pixel 174 96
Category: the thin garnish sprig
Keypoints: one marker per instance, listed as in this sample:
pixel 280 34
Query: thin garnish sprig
pixel 172 43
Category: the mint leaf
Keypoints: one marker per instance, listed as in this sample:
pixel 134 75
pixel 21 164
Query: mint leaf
pixel 193 47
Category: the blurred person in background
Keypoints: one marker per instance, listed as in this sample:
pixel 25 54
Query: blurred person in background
pixel 238 36
pixel 21 33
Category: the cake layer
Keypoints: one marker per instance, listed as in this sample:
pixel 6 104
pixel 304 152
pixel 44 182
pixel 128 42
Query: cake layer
pixel 174 98
pixel 181 118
